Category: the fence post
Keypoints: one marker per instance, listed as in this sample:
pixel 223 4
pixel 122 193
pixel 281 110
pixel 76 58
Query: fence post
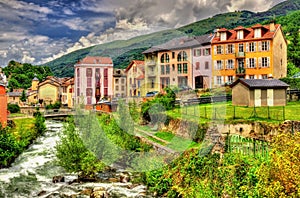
pixel 233 112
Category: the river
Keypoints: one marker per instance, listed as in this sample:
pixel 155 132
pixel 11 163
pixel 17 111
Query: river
pixel 32 172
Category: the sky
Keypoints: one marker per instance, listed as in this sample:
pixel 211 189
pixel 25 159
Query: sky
pixel 38 31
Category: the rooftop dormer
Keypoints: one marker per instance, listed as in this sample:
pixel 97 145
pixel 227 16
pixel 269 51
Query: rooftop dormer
pixel 240 32
pixel 257 30
pixel 223 34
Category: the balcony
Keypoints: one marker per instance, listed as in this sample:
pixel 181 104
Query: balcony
pixel 240 71
pixel 240 55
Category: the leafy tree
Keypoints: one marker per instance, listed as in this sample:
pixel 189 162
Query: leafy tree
pixel 13 108
pixel 23 97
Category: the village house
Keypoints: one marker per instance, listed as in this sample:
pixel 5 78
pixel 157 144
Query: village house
pixel 13 97
pixel 135 73
pixel 182 62
pixel 67 90
pixel 120 84
pixel 259 92
pixel 3 100
pixel 257 52
pixel 93 80
pixel 32 92
pixel 49 91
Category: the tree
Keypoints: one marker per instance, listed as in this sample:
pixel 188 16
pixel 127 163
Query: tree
pixel 23 97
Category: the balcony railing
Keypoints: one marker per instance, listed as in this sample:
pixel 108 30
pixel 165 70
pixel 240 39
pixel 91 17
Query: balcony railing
pixel 240 54
pixel 240 71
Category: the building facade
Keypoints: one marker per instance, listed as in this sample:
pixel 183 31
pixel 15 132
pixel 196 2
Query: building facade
pixel 3 100
pixel 257 52
pixel 120 84
pixel 93 80
pixel 49 91
pixel 135 73
pixel 179 63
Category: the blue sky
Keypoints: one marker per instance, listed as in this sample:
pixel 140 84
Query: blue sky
pixel 37 31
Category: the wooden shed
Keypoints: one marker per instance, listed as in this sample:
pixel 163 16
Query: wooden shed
pixel 259 92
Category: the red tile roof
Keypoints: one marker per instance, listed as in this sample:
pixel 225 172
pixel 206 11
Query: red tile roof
pixel 95 60
pixel 222 30
pixel 249 33
pixel 140 64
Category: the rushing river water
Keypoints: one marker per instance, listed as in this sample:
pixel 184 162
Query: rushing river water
pixel 32 172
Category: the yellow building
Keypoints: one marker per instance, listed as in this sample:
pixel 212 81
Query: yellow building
pixel 135 74
pixel 49 91
pixel 258 52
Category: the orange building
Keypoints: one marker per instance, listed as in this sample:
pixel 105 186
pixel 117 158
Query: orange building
pixel 258 52
pixel 3 102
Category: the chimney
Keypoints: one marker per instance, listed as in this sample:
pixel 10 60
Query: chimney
pixel 272 26
pixel 216 31
pixel 270 76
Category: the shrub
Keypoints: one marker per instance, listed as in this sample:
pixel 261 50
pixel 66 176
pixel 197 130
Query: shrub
pixel 13 108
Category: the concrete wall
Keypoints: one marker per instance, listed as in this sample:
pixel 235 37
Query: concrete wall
pixel 279 55
pixel 241 95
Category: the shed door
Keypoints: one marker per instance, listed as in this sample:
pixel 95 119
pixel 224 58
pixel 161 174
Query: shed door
pixel 257 97
pixel 270 97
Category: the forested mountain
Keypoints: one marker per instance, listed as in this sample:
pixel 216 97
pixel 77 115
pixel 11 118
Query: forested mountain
pixel 123 51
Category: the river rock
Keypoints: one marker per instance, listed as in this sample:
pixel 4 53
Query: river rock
pixel 124 177
pixel 86 192
pixel 99 192
pixel 58 178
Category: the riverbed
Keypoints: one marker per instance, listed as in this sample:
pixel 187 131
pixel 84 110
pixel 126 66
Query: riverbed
pixel 31 175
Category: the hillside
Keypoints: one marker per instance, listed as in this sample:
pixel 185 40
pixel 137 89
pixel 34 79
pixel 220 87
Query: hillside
pixel 123 51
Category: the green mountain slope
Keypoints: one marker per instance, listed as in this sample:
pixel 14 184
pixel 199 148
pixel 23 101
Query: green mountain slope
pixel 123 51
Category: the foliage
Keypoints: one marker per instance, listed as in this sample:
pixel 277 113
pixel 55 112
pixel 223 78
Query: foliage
pixel 56 105
pixel 39 123
pixel 13 108
pixel 21 75
pixel 154 110
pixel 73 155
pixel 293 82
pixel 23 97
pixel 9 147
pixel 134 111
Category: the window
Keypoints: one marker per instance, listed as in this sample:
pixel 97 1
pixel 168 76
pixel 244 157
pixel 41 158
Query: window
pixel 173 55
pixel 219 65
pixel 78 72
pixel 185 68
pixel 265 45
pixel 167 69
pixel 230 79
pixel 223 36
pixel 240 34
pixel 162 71
pixel 197 65
pixel 206 51
pixel 173 67
pixel 165 82
pixel 257 33
pixel 230 64
pixel 251 77
pixel 219 49
pixel 179 68
pixel 89 92
pixel 252 47
pixel 78 92
pixel 165 58
pixel 105 91
pixel 241 63
pixel 117 88
pixel 123 88
pixel 251 63
pixel 182 56
pixel 117 81
pixel 230 49
pixel 265 61
pixel 123 81
pixel 241 47
pixel 219 80
pixel 89 72
pixel 206 65
pixel 89 82
pixel 152 83
pixel 197 52
pixel 89 100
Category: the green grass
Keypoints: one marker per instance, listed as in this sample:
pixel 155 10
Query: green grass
pixel 14 115
pixel 23 125
pixel 225 111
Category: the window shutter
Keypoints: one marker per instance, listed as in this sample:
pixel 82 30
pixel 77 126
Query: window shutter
pixel 226 49
pixel 233 63
pixel 215 50
pixel 215 63
pixel 255 60
pixel 226 64
pixel 222 49
pixel 215 80
pixel 255 47
pixel 233 48
pixel 194 52
pixel 222 80
pixel 259 46
pixel 222 64
pixel 247 47
pixel 247 62
pixel 268 64
pixel 268 45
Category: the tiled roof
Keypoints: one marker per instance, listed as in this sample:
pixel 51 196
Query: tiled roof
pixel 95 60
pixel 141 77
pixel 249 33
pixel 140 64
pixel 261 83
pixel 181 43
pixel 14 94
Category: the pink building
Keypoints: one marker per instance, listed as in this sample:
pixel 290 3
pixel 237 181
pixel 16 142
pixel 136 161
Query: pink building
pixel 93 79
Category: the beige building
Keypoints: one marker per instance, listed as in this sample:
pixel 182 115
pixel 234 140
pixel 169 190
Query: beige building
pixel 49 91
pixel 259 92
pixel 120 85
pixel 135 73
pixel 67 90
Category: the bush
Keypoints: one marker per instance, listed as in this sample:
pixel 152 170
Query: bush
pixel 13 108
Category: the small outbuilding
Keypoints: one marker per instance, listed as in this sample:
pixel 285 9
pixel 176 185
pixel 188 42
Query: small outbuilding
pixel 259 92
